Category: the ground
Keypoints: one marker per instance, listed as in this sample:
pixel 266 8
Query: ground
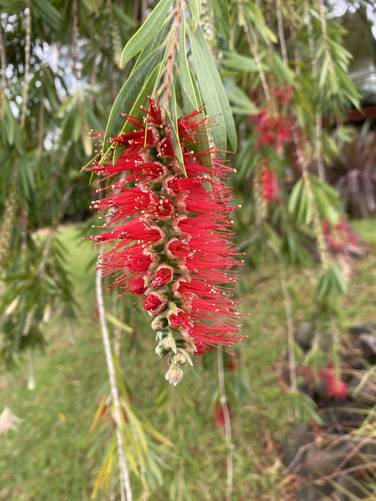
pixel 53 456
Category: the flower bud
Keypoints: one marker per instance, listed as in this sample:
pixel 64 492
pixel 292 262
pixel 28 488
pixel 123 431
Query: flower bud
pixel 182 358
pixel 161 350
pixel 163 276
pixel 154 303
pixel 159 322
pixel 174 375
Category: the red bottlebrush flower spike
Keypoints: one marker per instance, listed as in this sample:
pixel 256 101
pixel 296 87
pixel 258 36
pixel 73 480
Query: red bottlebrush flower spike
pixel 273 130
pixel 335 387
pixel 342 240
pixel 269 184
pixel 170 237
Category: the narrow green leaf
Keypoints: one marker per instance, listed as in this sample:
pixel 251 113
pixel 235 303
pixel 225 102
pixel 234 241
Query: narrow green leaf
pixel 281 70
pixel 141 99
pixel 295 197
pixel 222 17
pixel 48 13
pixel 195 8
pixel 213 93
pixel 147 32
pixel 255 15
pixel 118 323
pixel 238 62
pixel 237 96
pixel 173 118
pixel 185 77
pixel 129 93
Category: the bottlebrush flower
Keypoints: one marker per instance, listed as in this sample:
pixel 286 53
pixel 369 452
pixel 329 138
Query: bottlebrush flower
pixel 170 236
pixel 273 130
pixel 335 387
pixel 283 94
pixel 342 240
pixel 269 184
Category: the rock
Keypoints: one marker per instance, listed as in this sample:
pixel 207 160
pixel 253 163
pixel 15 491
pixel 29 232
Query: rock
pixel 321 392
pixel 304 335
pixel 318 462
pixel 343 415
pixel 367 343
pixel 312 493
pixel 294 441
pixel 352 490
pixel 358 364
pixel 368 328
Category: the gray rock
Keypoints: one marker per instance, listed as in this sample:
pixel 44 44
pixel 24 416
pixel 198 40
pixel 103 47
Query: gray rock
pixel 294 441
pixel 367 343
pixel 344 415
pixel 319 462
pixel 351 489
pixel 368 328
pixel 312 493
pixel 304 335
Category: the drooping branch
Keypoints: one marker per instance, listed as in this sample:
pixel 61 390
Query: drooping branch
pixel 281 31
pixel 227 424
pixel 165 89
pixel 26 84
pixel 290 328
pixel 75 39
pixel 123 467
pixel 3 59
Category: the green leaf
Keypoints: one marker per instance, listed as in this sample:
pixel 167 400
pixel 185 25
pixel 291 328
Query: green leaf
pixel 8 121
pixel 190 98
pixel 213 93
pixel 255 15
pixel 244 105
pixel 195 8
pixel 47 13
pixel 147 32
pixel 281 70
pixel 129 93
pixel 118 323
pixel 222 18
pixel 295 197
pixel 339 279
pixel 141 99
pixel 238 62
pixel 77 124
pixel 175 134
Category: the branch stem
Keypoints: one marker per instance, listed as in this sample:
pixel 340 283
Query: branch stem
pixel 290 328
pixel 228 427
pixel 123 467
pixel 25 91
pixel 281 31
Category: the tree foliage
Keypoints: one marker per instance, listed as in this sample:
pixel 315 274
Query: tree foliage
pixel 271 76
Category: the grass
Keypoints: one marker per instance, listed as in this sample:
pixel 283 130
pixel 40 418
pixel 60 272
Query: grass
pixel 52 456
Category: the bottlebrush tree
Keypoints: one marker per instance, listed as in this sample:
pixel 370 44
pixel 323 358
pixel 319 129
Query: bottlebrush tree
pixel 195 78
pixel 163 158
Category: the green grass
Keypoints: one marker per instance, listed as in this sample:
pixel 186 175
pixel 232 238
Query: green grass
pixel 53 457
